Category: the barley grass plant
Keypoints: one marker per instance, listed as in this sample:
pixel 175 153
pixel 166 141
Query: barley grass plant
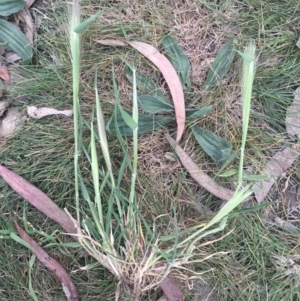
pixel 114 230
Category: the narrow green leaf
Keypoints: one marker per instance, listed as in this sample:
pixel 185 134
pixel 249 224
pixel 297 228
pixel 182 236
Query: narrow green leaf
pixel 95 175
pixel 74 245
pixel 8 7
pixel 19 240
pixel 237 198
pixel 82 26
pixel 229 173
pixel 256 178
pixel 207 233
pixel 146 123
pixel 90 266
pixel 179 60
pixel 122 170
pixel 227 162
pixel 153 105
pixel 30 288
pixel 198 113
pixel 216 147
pixel 248 74
pixel 221 65
pixel 183 232
pixel 128 119
pixel 298 43
pixel 17 41
pixel 247 58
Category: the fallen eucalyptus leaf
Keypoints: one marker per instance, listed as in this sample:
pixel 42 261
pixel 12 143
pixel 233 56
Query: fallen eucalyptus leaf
pixel 36 113
pixel 293 116
pixel 216 147
pixel 172 79
pixel 198 175
pixel 38 199
pixel 282 160
pixel 168 72
pixel 171 289
pixel 275 167
pixel 53 265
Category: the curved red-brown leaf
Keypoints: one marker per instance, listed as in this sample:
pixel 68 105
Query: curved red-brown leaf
pixel 171 77
pixel 171 289
pixel 198 175
pixel 53 265
pixel 168 72
pixel 38 199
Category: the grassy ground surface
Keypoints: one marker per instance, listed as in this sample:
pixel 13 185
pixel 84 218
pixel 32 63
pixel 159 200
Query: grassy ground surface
pixel 259 258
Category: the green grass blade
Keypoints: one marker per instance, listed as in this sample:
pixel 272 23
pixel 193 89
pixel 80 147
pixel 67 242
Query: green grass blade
pixel 95 174
pixel 30 288
pixel 82 26
pixel 19 240
pixel 75 58
pixel 247 86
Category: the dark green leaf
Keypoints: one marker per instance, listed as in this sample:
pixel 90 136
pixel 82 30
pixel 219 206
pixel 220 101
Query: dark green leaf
pixel 82 26
pixel 152 105
pixel 221 65
pixel 146 123
pixel 179 60
pixel 216 147
pixel 8 7
pixel 17 41
pixel 198 113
